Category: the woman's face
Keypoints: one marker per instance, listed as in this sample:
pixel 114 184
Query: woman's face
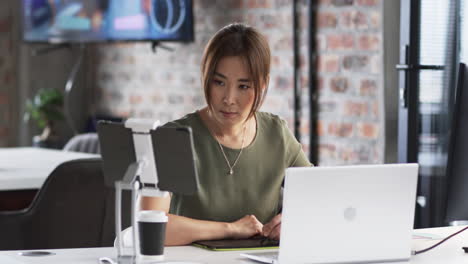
pixel 231 92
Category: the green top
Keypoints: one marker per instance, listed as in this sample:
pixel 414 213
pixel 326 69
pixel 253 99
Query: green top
pixel 254 187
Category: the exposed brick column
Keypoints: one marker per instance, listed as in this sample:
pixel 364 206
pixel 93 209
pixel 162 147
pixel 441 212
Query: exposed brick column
pixel 350 77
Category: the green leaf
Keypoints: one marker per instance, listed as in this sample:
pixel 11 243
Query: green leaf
pixel 45 107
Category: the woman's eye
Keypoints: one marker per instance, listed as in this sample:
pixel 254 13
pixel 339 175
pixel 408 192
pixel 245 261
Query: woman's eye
pixel 244 87
pixel 218 82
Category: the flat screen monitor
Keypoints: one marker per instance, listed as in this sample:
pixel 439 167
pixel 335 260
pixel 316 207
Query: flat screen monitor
pixel 82 21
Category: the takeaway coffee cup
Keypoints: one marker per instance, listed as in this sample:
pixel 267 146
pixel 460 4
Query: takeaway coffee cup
pixel 152 233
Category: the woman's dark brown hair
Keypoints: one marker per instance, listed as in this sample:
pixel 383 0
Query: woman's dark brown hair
pixel 249 44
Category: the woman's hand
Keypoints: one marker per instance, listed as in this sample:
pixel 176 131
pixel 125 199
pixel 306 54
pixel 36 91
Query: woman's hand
pixel 272 228
pixel 245 227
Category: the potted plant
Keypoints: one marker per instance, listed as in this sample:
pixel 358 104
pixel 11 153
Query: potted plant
pixel 46 108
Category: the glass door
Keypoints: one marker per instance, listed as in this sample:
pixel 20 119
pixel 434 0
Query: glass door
pixel 428 37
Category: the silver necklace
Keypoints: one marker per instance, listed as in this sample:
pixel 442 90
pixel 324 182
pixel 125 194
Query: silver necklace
pixel 231 167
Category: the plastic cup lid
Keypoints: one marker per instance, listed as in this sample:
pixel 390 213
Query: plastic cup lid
pixel 152 216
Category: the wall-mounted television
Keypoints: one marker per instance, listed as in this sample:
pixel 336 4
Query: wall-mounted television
pixel 68 21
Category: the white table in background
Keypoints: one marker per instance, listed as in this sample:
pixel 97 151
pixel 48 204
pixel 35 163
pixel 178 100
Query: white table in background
pixel 28 168
pixel 448 253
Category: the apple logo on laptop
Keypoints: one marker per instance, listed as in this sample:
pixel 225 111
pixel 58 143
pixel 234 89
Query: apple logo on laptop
pixel 350 213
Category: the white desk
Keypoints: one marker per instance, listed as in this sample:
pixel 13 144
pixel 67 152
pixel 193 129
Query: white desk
pixel 448 253
pixel 28 168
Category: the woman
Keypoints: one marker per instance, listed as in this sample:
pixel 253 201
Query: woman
pixel 241 153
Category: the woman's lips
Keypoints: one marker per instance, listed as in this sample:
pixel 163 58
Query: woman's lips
pixel 228 114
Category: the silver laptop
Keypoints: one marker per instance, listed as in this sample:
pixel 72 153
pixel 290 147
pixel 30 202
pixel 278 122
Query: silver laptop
pixel 346 214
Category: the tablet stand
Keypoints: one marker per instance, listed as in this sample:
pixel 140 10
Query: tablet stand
pixel 141 178
pixel 130 182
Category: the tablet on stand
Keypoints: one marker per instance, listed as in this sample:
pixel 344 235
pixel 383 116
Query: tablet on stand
pixel 149 160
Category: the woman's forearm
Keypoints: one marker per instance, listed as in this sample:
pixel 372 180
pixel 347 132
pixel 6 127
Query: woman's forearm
pixel 182 230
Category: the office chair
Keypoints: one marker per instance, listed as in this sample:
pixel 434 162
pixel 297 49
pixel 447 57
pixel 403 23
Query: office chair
pixel 87 143
pixel 73 209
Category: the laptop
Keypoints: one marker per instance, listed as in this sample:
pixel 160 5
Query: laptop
pixel 346 214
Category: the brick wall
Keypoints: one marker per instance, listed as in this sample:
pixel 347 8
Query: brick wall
pixel 6 72
pixel 350 82
pixel 133 82
pixel 130 80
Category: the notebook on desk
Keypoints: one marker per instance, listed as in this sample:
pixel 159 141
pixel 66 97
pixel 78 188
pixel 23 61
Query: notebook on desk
pixel 346 214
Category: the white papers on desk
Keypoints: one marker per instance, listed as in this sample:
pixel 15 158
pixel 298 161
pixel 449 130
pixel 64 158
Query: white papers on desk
pixel 9 260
